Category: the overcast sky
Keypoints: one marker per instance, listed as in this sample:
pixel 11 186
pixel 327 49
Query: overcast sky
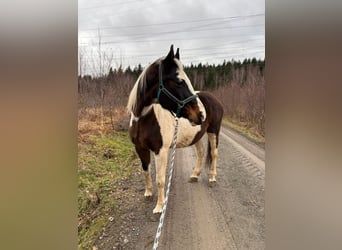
pixel 140 31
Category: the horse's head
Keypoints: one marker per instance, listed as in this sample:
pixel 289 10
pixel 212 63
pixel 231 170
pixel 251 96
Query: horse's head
pixel 166 81
pixel 175 91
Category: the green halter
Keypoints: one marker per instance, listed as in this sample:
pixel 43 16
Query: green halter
pixel 180 103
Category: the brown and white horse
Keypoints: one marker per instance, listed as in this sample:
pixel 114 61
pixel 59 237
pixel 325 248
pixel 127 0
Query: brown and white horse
pixel 152 120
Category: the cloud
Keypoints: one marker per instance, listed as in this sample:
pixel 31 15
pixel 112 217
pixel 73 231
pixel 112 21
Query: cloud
pixel 140 31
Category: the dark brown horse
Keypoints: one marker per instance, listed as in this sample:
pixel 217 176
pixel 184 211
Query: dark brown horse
pixel 152 123
pixel 166 83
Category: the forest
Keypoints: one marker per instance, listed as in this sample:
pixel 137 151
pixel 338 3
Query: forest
pixel 240 86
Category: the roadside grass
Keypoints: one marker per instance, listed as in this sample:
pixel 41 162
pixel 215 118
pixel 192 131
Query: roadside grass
pixel 246 130
pixel 103 161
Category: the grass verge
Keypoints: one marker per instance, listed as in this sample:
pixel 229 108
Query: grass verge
pixel 248 131
pixel 103 162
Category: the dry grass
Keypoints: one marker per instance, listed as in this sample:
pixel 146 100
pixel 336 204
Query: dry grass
pixel 94 122
pixel 244 105
pixel 247 130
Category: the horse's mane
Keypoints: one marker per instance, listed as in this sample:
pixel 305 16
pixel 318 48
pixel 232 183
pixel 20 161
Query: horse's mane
pixel 138 90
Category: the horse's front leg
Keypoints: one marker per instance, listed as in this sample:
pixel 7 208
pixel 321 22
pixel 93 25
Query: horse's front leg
pixel 145 158
pixel 200 153
pixel 161 161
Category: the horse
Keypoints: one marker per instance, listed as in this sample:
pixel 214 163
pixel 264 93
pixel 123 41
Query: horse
pixel 152 120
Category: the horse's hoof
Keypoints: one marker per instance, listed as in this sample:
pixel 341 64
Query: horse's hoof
pixel 212 183
pixel 148 196
pixel 148 193
pixel 157 210
pixel 193 179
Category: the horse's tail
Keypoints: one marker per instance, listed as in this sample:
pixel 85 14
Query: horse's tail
pixel 209 158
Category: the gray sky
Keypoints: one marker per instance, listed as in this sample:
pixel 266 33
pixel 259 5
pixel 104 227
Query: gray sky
pixel 140 31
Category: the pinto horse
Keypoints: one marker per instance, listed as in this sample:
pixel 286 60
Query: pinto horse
pixel 153 108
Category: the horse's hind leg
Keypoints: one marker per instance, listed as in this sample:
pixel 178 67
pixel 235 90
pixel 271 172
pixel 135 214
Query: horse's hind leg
pixel 213 140
pixel 145 157
pixel 197 170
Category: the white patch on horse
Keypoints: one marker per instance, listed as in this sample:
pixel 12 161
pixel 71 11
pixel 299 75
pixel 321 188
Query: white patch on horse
pixel 166 121
pixel 186 134
pixel 214 155
pixel 148 183
pixel 183 76
pixel 161 161
pixel 200 153
pixel 132 99
pixel 143 113
pixel 133 119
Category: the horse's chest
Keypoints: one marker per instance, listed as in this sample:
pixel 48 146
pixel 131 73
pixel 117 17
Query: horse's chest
pixel 187 134
pixel 146 133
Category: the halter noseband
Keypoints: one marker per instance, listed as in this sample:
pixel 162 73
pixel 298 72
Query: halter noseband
pixel 180 103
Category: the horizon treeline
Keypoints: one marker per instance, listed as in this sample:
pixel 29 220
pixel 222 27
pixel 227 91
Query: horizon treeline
pixel 239 85
pixel 203 76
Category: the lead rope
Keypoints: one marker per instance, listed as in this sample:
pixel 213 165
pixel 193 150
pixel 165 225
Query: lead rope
pixel 161 220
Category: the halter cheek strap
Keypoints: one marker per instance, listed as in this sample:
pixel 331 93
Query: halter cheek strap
pixel 180 103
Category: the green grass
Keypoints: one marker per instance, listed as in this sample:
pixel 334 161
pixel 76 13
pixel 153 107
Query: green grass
pixel 102 162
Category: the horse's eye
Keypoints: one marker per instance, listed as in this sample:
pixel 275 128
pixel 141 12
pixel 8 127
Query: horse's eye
pixel 180 82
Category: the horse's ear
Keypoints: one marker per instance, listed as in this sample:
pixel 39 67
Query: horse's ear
pixel 171 54
pixel 177 54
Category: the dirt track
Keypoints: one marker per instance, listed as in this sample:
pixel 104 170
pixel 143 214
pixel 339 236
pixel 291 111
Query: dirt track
pixel 228 216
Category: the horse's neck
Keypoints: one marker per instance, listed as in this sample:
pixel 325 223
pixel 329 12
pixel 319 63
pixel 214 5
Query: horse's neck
pixel 163 115
pixel 145 102
pixel 144 112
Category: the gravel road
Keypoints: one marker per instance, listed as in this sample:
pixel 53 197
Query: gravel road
pixel 229 215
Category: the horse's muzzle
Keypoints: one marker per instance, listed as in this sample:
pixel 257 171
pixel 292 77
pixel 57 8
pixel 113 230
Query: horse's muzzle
pixel 193 114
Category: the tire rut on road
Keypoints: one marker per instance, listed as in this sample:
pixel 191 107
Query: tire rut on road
pixel 194 219
pixel 228 216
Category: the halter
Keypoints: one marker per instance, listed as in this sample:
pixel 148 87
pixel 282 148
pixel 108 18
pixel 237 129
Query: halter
pixel 180 103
